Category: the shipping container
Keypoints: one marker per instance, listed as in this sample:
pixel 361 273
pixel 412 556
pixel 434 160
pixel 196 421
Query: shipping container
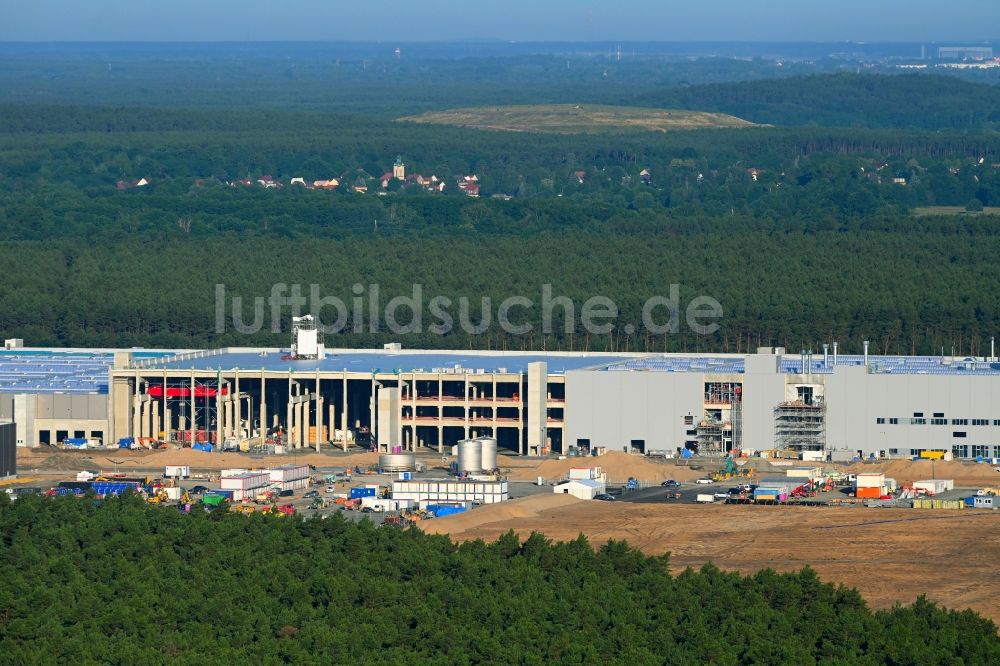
pixel 289 473
pixel 358 493
pixel 934 486
pixel 868 493
pixel 294 484
pixel 870 480
pixel 247 481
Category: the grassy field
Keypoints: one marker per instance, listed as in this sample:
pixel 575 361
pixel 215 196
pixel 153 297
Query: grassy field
pixel 577 119
pixel 924 211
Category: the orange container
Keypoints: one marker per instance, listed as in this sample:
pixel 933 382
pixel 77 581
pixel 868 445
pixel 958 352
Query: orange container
pixel 868 493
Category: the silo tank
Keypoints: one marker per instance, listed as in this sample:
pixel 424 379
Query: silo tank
pixel 470 456
pixel 489 453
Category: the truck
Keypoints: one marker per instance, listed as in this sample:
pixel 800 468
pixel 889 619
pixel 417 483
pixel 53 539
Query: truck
pixel 705 498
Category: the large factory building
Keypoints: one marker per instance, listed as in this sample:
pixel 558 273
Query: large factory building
pixel 532 403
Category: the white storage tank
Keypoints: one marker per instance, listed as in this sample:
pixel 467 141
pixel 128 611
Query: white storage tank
pixel 397 462
pixel 488 453
pixel 470 456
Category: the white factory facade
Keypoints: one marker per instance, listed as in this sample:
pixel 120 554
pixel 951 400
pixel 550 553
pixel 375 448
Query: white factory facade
pixel 531 403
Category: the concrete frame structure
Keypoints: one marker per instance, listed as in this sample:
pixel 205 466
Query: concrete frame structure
pixel 539 403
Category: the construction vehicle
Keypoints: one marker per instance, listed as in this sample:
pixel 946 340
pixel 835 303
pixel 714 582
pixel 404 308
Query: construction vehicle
pixel 285 510
pixel 265 497
pixel 730 470
pixel 157 497
pixel 245 509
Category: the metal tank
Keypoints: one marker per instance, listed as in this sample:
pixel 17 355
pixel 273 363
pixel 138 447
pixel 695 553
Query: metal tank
pixel 470 456
pixel 489 453
pixel 397 462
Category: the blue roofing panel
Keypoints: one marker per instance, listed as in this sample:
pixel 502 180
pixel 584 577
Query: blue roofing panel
pixel 369 361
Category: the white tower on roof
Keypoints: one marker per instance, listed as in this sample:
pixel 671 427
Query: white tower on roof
pixel 305 338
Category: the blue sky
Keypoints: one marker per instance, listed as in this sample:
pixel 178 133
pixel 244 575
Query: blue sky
pixel 524 20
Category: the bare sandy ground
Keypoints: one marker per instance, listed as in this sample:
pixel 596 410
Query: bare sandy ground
pixel 890 555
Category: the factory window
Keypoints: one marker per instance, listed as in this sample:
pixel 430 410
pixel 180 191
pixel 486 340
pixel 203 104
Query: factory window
pixel 960 450
pixel 980 422
pixel 939 421
pixel 893 452
pixel 996 422
pixel 880 420
pixel 980 450
pixel 638 446
pixel 692 433
pixel 960 435
pixel 996 451
pixel 914 452
pixel 939 415
pixel 688 420
pixel 893 421
pixel 960 421
pixel 916 421
pixel 918 415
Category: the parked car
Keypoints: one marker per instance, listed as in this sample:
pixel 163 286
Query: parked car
pixel 367 509
pixel 721 496
pixel 286 493
pixel 670 483
pixel 311 494
pixel 329 489
pixel 673 495
pixel 703 480
pixel 198 490
pixel 604 497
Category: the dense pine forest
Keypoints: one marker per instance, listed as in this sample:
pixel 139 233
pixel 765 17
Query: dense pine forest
pixel 120 582
pixel 861 208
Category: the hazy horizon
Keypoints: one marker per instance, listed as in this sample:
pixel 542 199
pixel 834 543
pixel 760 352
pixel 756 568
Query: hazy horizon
pixel 515 20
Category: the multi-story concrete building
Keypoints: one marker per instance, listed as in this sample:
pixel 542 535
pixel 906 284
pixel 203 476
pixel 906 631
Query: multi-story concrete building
pixel 532 403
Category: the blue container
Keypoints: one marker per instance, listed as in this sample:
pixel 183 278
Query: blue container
pixel 358 493
pixel 442 511
pixel 970 502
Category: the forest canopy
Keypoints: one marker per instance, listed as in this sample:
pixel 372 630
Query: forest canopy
pixel 119 582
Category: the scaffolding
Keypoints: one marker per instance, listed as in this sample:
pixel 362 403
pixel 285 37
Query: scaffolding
pixel 800 425
pixel 714 437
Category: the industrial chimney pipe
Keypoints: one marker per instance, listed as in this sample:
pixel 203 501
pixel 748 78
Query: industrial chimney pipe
pixel 866 353
pixel 826 355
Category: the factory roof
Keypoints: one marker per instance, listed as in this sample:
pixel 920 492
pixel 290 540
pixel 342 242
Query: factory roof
pixel 388 361
pixel 60 371
pixel 793 364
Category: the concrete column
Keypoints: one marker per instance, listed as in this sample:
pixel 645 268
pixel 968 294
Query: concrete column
pixel 136 417
pixel 263 408
pixel 157 426
pixel 319 422
pixel 289 413
pixel 343 413
pixel 238 415
pixel 143 417
pixel 465 404
pixel 192 413
pixel 440 438
pixel 166 410
pixel 168 424
pixel 304 439
pixel 319 413
pixel 218 412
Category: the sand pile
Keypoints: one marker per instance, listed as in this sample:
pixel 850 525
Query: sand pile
pixel 617 465
pixel 519 509
pixel 905 471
